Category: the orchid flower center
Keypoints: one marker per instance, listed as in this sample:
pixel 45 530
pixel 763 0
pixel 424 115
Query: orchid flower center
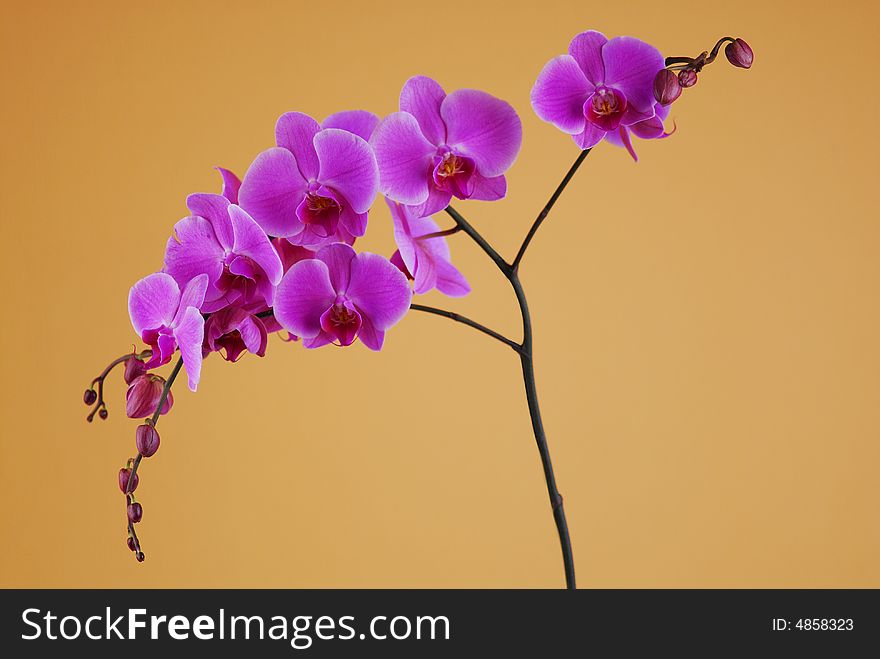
pixel 605 108
pixel 320 213
pixel 238 281
pixel 232 344
pixel 342 321
pixel 453 173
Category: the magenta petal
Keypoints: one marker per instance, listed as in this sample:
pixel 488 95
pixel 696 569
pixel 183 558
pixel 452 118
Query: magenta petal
pixel 379 290
pixel 630 66
pixel 484 128
pixel 190 333
pixel 302 296
pixel 295 132
pixel 488 189
pixel 352 223
pixel 405 158
pixel 586 49
pixel 338 258
pixel 348 166
pixel 437 200
pixel 231 185
pixel 192 295
pixel 421 97
pixel 271 191
pixel 370 336
pixel 359 122
pixel 450 281
pixel 649 129
pixel 152 302
pixel 193 250
pixel 251 241
pixel 213 207
pixel 559 94
pixel 591 136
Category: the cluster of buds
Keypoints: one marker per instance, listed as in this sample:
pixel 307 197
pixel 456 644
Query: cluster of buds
pixel 681 72
pixel 147 397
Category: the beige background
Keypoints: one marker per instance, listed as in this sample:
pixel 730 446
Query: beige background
pixel 707 320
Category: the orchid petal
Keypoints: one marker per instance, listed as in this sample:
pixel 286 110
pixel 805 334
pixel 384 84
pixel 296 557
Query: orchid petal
pixel 404 157
pixel 559 94
pixel 193 250
pixel 630 66
pixel 231 184
pixel 359 122
pixel 152 302
pixel 213 207
pixel 348 165
pixel 190 333
pixel 379 290
pixel 271 191
pixel 251 241
pixel 586 49
pixel 483 128
pixel 295 132
pixel 421 97
pixel 302 296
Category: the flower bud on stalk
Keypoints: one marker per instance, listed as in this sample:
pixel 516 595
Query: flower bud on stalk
pixel 134 368
pixel 740 54
pixel 90 396
pixel 143 396
pixel 147 440
pixel 123 480
pixel 667 88
pixel 687 78
pixel 131 544
pixel 103 413
pixel 135 512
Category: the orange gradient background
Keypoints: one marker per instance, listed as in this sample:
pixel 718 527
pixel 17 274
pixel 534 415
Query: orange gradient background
pixel 707 320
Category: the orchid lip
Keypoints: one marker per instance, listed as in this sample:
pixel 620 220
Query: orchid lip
pixel 605 108
pixel 453 173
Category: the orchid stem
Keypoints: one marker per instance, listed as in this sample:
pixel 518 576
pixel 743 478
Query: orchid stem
pixel 470 323
pixel 547 207
pixel 524 349
pixel 441 234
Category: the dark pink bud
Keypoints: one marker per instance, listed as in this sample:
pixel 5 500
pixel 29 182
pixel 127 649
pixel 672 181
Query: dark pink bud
pixel 147 440
pixel 140 557
pixel 103 413
pixel 740 54
pixel 143 396
pixel 90 396
pixel 123 480
pixel 666 87
pixel 687 78
pixel 131 544
pixel 135 512
pixel 134 368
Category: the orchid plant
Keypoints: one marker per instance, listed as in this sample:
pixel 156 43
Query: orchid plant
pixel 275 251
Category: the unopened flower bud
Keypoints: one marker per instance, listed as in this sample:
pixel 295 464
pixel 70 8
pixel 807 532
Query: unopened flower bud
pixel 140 557
pixel 666 87
pixel 143 396
pixel 90 396
pixel 134 368
pixel 131 544
pixel 147 440
pixel 740 54
pixel 687 78
pixel 123 480
pixel 135 512
pixel 103 413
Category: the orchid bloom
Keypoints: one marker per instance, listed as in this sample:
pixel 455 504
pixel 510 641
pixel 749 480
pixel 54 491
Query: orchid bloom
pixel 340 296
pixel 426 261
pixel 233 331
pixel 223 242
pixel 601 88
pixel 442 146
pixel 167 318
pixel 316 186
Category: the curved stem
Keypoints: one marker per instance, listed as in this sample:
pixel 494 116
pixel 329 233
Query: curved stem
pixel 467 321
pixel 528 370
pixel 503 265
pixel 547 207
